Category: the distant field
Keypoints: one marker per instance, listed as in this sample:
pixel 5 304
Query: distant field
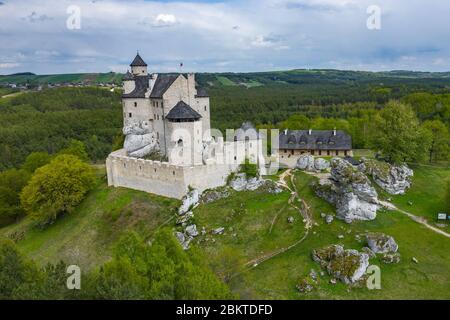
pixel 225 81
pixel 93 78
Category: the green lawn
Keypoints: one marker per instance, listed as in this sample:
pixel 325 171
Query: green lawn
pixel 277 278
pixel 427 193
pixel 225 81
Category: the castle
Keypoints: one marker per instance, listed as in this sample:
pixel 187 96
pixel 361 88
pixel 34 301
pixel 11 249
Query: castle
pixel 169 145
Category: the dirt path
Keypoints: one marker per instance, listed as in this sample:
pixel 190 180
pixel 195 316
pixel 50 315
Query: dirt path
pixel 304 212
pixel 417 219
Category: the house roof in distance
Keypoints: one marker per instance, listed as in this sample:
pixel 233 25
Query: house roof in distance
pixel 138 62
pixel 183 111
pixel 315 140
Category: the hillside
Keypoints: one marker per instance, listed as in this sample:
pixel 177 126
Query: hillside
pixel 255 226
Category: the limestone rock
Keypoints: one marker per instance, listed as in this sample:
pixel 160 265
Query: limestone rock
pixel 140 140
pixel 218 230
pixel 190 200
pixel 305 285
pixel 381 243
pixel 329 219
pixel 321 164
pixel 240 182
pixel 393 179
pixel 305 162
pixel 350 191
pixel 391 257
pixel 346 265
pixel 192 230
pixel 290 220
pixel 185 218
pixel 369 252
pixel 215 194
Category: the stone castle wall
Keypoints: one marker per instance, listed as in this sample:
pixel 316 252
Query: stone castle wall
pixel 163 178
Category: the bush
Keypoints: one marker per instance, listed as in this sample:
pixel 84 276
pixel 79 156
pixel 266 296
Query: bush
pixel 57 188
pixel 250 169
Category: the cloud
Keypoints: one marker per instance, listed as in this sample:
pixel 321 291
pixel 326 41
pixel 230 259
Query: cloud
pixel 9 65
pixel 165 20
pixel 252 35
pixel 34 17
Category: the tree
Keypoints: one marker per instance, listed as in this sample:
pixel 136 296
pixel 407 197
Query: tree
pixel 76 148
pixel 11 184
pixel 398 135
pixel 57 187
pixel 440 139
pixel 36 160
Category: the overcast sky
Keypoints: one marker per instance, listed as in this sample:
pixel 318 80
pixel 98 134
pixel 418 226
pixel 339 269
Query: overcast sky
pixel 253 35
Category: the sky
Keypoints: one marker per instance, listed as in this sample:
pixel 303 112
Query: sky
pixel 75 36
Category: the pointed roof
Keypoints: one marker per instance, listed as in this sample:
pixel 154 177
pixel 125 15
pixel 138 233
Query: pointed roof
pixel 138 62
pixel 183 111
pixel 128 76
pixel 163 82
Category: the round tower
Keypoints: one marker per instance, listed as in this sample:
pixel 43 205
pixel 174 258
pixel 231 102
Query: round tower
pixel 128 83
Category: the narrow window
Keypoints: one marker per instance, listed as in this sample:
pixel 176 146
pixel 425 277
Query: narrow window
pixel 135 104
pixel 337 152
pixel 205 108
pixel 130 115
pixel 157 135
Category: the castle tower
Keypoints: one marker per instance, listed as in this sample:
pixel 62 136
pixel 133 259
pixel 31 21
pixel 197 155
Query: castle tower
pixel 138 66
pixel 184 138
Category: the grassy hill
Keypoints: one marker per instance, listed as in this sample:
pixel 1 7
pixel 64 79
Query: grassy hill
pixel 92 78
pixel 255 225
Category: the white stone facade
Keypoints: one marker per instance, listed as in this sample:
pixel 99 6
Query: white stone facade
pixel 197 158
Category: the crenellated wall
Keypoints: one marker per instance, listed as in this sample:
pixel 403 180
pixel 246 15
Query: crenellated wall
pixel 163 178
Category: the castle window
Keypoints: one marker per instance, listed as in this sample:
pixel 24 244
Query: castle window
pixel 130 115
pixel 328 152
pixel 337 152
pixel 180 142
pixel 158 116
pixel 205 108
pixel 154 169
pixel 157 135
pixel 162 104
pixel 135 104
pixel 173 172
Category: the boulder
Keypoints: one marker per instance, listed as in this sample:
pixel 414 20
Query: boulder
pixel 321 164
pixel 305 162
pixel 218 230
pixel 140 140
pixel 185 218
pixel 369 252
pixel 350 191
pixel 329 219
pixel 290 220
pixel 305 285
pixel 215 194
pixel 391 257
pixel 393 179
pixel 192 230
pixel 381 243
pixel 346 265
pixel 190 200
pixel 240 182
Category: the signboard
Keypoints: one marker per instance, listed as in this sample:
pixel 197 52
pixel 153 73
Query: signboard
pixel 442 216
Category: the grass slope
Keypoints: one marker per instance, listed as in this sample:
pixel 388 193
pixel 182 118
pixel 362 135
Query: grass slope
pixel 86 236
pixel 277 278
pixel 255 225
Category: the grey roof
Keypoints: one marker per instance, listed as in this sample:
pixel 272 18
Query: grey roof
pixel 141 87
pixel 128 76
pixel 201 93
pixel 317 140
pixel 182 111
pixel 163 82
pixel 138 62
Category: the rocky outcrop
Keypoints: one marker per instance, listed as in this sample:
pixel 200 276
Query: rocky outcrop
pixel 215 194
pixel 381 243
pixel 393 179
pixel 190 200
pixel 140 140
pixel 311 164
pixel 241 182
pixel 350 191
pixel 346 265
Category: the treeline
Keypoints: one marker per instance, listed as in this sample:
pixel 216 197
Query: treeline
pixel 48 120
pixel 230 106
pixel 137 270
